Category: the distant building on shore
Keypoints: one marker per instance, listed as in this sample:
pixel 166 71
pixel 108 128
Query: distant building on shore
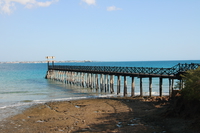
pixel 87 61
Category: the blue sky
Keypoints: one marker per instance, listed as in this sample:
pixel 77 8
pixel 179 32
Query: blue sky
pixel 100 30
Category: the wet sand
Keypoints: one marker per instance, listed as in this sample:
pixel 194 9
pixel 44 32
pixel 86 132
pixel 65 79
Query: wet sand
pixel 121 115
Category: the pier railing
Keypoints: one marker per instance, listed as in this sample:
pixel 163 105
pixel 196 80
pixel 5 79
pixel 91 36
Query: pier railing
pixel 174 71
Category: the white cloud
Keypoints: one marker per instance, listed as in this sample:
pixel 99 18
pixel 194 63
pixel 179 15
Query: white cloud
pixel 7 6
pixel 113 8
pixel 90 2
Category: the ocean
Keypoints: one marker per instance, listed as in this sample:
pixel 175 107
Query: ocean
pixel 24 85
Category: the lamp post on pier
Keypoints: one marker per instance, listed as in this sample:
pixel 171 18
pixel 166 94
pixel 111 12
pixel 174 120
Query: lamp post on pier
pixel 50 59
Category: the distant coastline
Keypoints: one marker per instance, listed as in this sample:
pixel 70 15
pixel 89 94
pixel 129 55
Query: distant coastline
pixel 78 61
pixel 23 62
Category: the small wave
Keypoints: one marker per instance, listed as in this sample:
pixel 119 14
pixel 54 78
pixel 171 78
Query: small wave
pixel 14 92
pixel 34 102
pixel 15 105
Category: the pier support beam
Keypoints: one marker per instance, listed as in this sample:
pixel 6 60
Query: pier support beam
pixel 101 82
pixel 87 80
pixel 72 78
pixel 79 79
pixel 172 84
pixel 181 84
pixel 110 83
pixel 106 82
pixel 67 77
pixel 91 81
pixel 141 89
pixel 125 86
pixel 170 87
pixel 82 79
pixel 132 87
pixel 150 86
pixel 160 86
pixel 96 81
pixel 118 84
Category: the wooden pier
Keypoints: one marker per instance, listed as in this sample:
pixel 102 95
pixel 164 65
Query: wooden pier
pixel 102 77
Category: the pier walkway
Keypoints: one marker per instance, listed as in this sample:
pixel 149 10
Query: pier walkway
pixel 88 76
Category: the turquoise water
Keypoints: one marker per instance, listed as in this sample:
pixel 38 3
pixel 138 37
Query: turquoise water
pixel 24 84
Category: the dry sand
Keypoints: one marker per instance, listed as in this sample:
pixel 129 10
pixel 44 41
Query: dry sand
pixel 120 115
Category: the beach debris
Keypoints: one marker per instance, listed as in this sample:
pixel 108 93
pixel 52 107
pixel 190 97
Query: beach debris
pixel 83 121
pixel 100 111
pixel 119 124
pixel 76 123
pixel 133 124
pixel 77 106
pixel 85 129
pixel 60 130
pixel 39 121
pixel 130 110
pixel 135 119
pixel 50 107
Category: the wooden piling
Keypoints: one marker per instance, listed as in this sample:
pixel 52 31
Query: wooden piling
pixel 97 83
pixel 118 84
pixel 181 84
pixel 170 87
pixel 125 86
pixel 106 82
pixel 150 86
pixel 160 86
pixel 82 79
pixel 87 80
pixel 132 87
pixel 67 77
pixel 111 84
pixel 141 89
pixel 101 82
pixel 91 80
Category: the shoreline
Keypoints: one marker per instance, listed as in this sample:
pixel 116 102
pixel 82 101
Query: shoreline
pixel 116 114
pixel 20 106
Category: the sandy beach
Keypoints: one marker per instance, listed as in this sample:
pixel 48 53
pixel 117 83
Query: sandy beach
pixel 113 115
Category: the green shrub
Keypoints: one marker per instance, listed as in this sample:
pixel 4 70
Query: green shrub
pixel 191 79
